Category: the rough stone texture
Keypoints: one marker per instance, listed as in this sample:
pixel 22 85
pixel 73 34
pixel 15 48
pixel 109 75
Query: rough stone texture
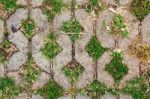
pixel 1 31
pixel 103 76
pixel 42 29
pixel 16 18
pixel 145 29
pixel 59 19
pixel 22 2
pixel 133 66
pixel 22 96
pixel 133 26
pixel 61 60
pixel 41 81
pixel 124 2
pixel 18 39
pixel 108 96
pixel 17 78
pixel 103 35
pixel 36 3
pixel 65 97
pixel 1 70
pixel 109 2
pixel 81 55
pixel 125 97
pixel 82 97
pixel 37 97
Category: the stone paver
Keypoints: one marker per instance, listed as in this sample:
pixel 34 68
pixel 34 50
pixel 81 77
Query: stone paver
pixel 54 66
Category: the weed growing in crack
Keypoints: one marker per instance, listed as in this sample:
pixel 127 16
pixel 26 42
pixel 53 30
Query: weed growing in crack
pixel 51 48
pixel 118 27
pixel 9 5
pixel 140 8
pixel 116 67
pixel 51 8
pixel 51 90
pixel 74 27
pixel 8 88
pixel 95 49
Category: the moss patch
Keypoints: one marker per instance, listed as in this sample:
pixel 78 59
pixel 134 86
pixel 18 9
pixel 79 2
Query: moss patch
pixel 116 67
pixel 95 49
pixel 140 8
pixel 2 57
pixel 51 90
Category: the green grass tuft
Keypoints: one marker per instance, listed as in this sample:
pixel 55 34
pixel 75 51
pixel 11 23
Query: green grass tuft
pixel 140 8
pixel 8 88
pixel 51 48
pixel 96 88
pixel 28 27
pixel 74 27
pixel 2 58
pixel 9 5
pixel 95 49
pixel 138 88
pixel 118 27
pixel 51 8
pixel 116 67
pixel 51 90
pixel 72 71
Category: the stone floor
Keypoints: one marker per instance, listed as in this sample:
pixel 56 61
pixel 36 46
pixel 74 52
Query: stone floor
pixel 52 68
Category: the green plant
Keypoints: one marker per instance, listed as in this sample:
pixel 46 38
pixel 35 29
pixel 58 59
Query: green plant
pixel 95 49
pixel 6 43
pixel 30 72
pixel 74 27
pixel 73 70
pixel 94 5
pixel 28 27
pixel 9 4
pixel 140 8
pixel 51 48
pixel 138 88
pixel 118 27
pixel 8 88
pixel 2 58
pixel 96 88
pixel 51 90
pixel 52 7
pixel 116 67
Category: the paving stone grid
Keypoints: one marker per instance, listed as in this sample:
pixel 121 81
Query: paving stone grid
pixel 71 53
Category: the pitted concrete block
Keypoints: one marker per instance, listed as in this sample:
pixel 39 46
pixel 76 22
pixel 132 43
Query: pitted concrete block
pixel 41 81
pixel 62 59
pixel 102 74
pixel 103 35
pixel 1 31
pixel 146 30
